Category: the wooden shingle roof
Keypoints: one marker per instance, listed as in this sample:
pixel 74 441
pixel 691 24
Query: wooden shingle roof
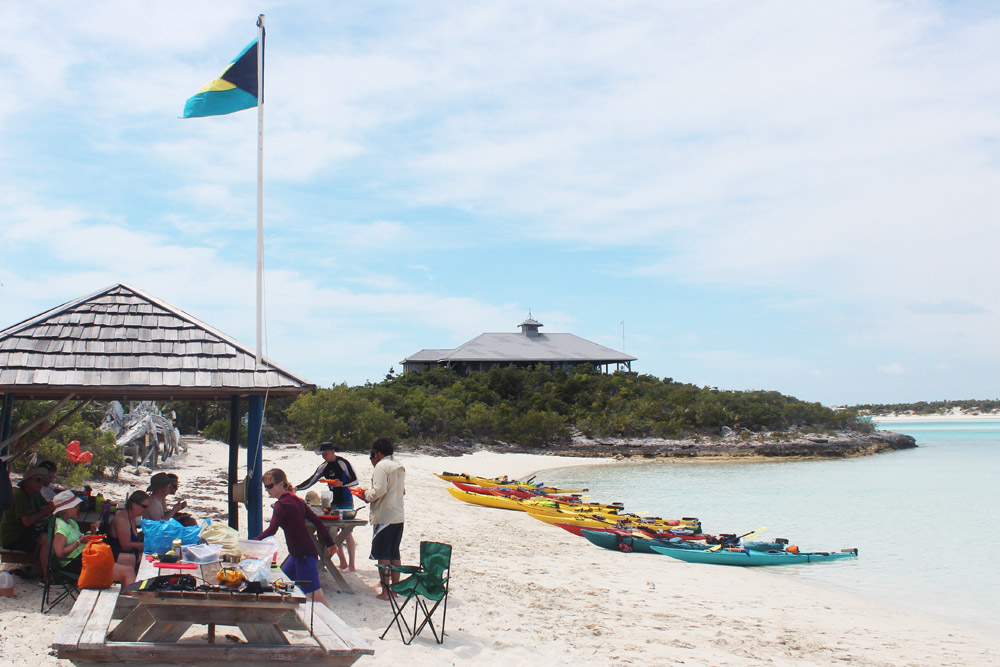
pixel 123 343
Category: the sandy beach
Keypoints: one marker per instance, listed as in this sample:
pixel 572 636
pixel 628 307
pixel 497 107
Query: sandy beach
pixel 525 593
pixel 953 416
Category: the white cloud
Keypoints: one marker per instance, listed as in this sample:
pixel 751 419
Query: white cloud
pixel 892 369
pixel 839 163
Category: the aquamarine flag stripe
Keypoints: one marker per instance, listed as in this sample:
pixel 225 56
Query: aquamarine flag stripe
pixel 218 103
pixel 233 90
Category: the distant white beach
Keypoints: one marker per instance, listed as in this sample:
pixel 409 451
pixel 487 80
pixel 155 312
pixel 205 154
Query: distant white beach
pixel 951 416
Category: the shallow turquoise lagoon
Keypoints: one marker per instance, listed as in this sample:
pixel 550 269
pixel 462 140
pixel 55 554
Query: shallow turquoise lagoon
pixel 926 521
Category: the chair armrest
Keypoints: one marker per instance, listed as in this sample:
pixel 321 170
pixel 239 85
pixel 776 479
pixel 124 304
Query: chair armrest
pixel 405 569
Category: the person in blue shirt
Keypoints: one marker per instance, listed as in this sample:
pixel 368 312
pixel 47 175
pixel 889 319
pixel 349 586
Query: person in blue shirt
pixel 341 474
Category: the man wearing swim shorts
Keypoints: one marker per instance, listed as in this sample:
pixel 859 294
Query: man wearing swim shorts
pixel 386 498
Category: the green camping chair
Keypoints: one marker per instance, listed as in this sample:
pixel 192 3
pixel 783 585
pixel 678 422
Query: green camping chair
pixel 58 584
pixel 426 583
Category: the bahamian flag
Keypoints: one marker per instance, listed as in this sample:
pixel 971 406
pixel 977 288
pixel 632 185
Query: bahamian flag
pixel 234 90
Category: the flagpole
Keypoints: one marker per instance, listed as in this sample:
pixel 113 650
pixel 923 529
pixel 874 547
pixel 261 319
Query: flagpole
pixel 260 185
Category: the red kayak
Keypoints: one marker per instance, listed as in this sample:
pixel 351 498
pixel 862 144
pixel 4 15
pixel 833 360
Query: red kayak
pixel 663 534
pixel 509 492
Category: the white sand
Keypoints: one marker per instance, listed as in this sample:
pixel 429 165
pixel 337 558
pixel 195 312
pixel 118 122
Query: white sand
pixel 525 593
pixel 958 415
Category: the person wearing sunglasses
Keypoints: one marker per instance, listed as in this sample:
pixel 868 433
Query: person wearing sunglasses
pixel 123 536
pixel 22 526
pixel 161 485
pixel 290 514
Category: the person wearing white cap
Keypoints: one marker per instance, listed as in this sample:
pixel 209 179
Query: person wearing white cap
pixel 68 542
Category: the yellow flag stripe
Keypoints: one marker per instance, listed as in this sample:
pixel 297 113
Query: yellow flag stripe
pixel 216 85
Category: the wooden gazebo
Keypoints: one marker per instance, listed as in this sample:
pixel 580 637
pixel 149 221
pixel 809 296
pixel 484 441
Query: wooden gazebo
pixel 123 344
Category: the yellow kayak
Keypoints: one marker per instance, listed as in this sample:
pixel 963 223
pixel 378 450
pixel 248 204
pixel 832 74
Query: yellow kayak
pixel 500 502
pixel 599 521
pixel 528 504
pixel 490 482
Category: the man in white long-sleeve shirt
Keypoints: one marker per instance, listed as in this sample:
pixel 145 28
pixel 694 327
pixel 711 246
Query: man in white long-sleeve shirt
pixel 386 498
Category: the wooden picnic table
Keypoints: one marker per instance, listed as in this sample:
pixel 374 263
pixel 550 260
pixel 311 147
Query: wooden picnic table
pixel 282 628
pixel 339 529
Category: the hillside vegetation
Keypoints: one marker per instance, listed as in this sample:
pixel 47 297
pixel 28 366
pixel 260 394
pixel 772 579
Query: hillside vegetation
pixel 538 406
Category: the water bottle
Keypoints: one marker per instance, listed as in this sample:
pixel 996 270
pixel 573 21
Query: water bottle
pixel 6 585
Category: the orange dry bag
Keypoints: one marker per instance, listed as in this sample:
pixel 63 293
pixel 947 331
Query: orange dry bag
pixel 98 569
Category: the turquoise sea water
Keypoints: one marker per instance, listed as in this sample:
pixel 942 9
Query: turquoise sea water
pixel 926 521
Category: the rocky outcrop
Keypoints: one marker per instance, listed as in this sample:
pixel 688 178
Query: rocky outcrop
pixel 839 445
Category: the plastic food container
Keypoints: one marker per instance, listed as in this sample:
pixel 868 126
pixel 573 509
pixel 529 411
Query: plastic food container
pixel 202 553
pixel 258 548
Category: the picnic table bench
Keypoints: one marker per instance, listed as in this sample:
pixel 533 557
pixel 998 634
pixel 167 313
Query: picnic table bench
pixel 17 557
pixel 278 628
pixel 339 530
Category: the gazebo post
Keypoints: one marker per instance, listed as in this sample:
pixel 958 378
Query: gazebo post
pixel 6 419
pixel 255 421
pixel 234 458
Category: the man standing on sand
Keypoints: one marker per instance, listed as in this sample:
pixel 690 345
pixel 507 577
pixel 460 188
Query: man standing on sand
pixel 386 498
pixel 341 476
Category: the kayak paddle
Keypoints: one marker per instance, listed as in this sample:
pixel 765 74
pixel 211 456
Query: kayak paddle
pixel 739 537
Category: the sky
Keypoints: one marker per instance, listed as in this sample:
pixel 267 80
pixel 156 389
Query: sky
pixel 792 196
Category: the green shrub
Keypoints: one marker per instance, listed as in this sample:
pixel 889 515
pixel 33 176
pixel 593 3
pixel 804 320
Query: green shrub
pixel 219 430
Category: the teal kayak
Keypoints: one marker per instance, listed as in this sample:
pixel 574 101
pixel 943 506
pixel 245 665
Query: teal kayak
pixel 615 541
pixel 752 558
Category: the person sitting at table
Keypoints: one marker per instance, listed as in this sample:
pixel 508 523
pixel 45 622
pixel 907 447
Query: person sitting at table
pixel 22 527
pixel 341 472
pixel 68 542
pixel 291 514
pixel 161 485
pixel 123 537
pixel 50 489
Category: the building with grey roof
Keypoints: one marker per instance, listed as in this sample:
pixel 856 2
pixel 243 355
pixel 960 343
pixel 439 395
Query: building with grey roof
pixel 527 348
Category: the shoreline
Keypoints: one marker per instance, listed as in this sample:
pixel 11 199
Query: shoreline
pixel 524 592
pixel 958 417
pixel 766 446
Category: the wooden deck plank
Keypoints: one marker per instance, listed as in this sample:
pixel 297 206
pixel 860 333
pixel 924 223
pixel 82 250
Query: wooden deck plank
pixel 343 630
pixel 321 632
pixel 146 653
pixel 132 626
pixel 76 620
pixel 166 632
pixel 231 615
pixel 263 634
pixel 96 630
pixel 332 633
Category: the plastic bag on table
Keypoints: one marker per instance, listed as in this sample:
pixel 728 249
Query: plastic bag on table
pixel 158 536
pixel 256 569
pixel 226 537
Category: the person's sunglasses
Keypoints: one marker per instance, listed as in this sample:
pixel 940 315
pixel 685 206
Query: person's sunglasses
pixel 144 506
pixel 270 486
pixel 38 479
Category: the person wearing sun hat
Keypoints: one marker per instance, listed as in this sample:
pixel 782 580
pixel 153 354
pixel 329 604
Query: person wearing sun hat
pixel 21 525
pixel 68 540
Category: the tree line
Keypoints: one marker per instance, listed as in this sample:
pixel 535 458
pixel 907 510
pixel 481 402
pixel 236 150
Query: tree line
pixel 528 406
pixel 538 406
